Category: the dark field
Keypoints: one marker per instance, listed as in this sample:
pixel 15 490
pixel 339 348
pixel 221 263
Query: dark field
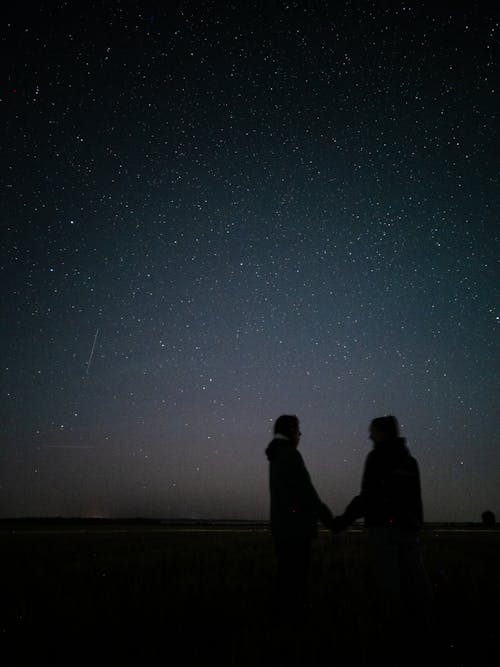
pixel 207 594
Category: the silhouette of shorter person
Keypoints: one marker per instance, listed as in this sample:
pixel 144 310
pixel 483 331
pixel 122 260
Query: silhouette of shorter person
pixel 391 504
pixel 295 510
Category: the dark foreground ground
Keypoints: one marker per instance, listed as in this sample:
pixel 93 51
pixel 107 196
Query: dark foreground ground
pixel 159 594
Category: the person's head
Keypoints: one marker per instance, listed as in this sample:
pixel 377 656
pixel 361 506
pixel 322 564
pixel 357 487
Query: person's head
pixel 384 428
pixel 288 425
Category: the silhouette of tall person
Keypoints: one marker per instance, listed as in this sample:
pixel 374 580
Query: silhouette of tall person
pixel 295 510
pixel 391 504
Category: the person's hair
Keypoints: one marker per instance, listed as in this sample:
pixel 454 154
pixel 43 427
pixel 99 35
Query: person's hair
pixel 286 425
pixel 387 425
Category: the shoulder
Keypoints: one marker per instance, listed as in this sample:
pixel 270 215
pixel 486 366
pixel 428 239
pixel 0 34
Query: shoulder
pixel 294 458
pixel 286 455
pixel 407 468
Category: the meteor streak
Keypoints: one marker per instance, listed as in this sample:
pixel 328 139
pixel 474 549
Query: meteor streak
pixel 92 351
pixel 69 447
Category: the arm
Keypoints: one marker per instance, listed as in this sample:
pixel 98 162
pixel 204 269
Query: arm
pixel 308 494
pixel 325 516
pixel 353 511
pixel 356 508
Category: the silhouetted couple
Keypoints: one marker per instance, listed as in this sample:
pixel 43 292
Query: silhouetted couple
pixel 390 502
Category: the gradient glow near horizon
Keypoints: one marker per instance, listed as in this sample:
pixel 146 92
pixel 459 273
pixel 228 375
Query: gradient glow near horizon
pixel 214 214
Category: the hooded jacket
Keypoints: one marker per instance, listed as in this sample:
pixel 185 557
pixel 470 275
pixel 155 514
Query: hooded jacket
pixel 295 504
pixel 390 489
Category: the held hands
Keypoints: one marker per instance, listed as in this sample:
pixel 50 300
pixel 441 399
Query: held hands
pixel 355 510
pixel 338 524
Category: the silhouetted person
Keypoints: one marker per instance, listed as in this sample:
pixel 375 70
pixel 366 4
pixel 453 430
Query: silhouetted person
pixel 295 510
pixel 488 518
pixel 391 504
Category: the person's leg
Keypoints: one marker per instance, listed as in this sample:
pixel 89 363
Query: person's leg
pixel 284 571
pixel 417 596
pixel 417 584
pixel 292 563
pixel 387 574
pixel 302 562
pixel 292 570
pixel 386 565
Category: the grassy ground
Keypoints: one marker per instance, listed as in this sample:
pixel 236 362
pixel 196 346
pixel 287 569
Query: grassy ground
pixel 206 595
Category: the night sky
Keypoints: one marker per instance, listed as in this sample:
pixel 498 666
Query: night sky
pixel 217 212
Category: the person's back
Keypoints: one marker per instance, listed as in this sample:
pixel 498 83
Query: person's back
pixel 390 488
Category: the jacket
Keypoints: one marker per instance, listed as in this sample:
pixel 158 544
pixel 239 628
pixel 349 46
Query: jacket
pixel 295 504
pixel 390 489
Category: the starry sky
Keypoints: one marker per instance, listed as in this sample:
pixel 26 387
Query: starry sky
pixel 218 212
